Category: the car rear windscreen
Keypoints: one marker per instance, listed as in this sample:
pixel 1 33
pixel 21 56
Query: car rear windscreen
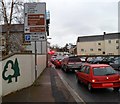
pixel 102 71
pixel 74 60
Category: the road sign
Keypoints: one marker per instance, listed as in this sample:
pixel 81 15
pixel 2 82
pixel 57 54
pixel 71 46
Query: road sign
pixel 37 37
pixel 27 37
pixel 35 17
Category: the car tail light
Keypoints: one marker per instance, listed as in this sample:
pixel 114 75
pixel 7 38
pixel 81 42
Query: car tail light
pixel 93 80
pixel 58 62
pixel 119 79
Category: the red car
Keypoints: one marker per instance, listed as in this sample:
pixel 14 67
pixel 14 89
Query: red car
pixel 57 63
pixel 98 76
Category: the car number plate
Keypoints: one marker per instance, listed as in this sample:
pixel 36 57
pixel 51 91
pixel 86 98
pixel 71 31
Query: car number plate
pixel 107 84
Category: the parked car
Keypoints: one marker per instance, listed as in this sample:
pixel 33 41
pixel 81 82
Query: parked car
pixel 71 63
pixel 57 61
pixel 53 59
pixel 96 60
pixel 107 60
pixel 98 76
pixel 90 59
pixel 116 63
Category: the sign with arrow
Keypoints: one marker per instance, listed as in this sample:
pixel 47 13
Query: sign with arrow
pixel 37 37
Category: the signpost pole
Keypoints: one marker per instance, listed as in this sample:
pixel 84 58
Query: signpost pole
pixel 41 47
pixel 35 25
pixel 35 61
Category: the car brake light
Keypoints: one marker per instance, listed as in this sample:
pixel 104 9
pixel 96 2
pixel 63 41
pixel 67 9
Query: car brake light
pixel 58 62
pixel 93 80
pixel 119 79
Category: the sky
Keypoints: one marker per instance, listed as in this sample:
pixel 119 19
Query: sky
pixel 70 19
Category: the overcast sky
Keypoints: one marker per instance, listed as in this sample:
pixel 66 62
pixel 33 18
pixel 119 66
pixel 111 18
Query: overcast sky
pixel 70 19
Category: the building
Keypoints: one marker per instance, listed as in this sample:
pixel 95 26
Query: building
pixel 72 49
pixel 15 37
pixel 107 44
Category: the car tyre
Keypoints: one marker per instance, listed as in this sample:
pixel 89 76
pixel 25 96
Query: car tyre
pixel 65 69
pixel 90 87
pixel 116 89
pixel 78 81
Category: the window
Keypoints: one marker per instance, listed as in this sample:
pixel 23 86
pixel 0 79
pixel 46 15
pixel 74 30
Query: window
pixel 87 71
pixel 117 41
pixel 103 71
pixel 74 59
pixel 117 47
pixel 109 41
pixel 99 49
pixel 99 43
pixel 83 69
pixel 91 49
pixel 82 50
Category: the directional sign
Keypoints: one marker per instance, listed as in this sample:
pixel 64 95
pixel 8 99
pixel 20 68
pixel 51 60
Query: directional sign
pixel 37 37
pixel 35 17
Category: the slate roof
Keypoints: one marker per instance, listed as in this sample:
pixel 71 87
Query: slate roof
pixel 99 37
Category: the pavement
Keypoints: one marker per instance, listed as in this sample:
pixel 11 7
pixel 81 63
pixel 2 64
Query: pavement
pixel 47 88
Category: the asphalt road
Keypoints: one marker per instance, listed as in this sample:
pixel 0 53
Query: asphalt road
pixel 98 96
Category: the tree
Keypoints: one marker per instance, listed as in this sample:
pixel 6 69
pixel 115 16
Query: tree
pixel 12 12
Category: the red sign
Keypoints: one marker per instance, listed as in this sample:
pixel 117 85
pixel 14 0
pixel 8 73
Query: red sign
pixel 37 29
pixel 36 19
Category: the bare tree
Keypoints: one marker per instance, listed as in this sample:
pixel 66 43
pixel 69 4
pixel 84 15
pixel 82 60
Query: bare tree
pixel 12 12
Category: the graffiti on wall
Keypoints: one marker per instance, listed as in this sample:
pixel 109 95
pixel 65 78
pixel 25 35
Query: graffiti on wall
pixel 11 70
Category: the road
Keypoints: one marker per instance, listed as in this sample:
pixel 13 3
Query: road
pixel 98 96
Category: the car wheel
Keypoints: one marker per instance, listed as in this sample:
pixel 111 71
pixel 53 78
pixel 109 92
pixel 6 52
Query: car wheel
pixel 65 69
pixel 116 89
pixel 78 81
pixel 90 87
pixel 62 67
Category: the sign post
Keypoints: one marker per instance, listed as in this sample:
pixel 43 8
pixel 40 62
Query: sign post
pixel 35 24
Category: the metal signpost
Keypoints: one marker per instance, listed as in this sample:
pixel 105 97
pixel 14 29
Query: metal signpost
pixel 35 24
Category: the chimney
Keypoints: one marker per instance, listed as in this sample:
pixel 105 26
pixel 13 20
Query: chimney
pixel 104 33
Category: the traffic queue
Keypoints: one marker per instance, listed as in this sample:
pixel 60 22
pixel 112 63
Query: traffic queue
pixel 95 72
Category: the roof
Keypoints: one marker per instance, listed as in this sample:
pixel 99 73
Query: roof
pixel 99 37
pixel 90 38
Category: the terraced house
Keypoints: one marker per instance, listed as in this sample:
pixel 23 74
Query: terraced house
pixel 106 44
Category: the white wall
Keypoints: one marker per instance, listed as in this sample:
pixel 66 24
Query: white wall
pixel 27 72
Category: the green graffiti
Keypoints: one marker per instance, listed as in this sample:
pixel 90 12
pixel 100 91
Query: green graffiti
pixel 11 70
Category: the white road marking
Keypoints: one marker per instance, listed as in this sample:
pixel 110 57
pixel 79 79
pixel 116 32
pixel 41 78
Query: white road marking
pixel 77 98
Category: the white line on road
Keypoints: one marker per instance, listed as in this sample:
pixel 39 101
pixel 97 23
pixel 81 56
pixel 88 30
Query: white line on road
pixel 77 98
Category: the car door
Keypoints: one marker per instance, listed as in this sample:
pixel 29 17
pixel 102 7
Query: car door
pixel 81 74
pixel 86 74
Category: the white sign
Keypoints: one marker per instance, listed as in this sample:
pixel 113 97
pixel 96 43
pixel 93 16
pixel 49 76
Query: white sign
pixel 35 18
pixel 37 37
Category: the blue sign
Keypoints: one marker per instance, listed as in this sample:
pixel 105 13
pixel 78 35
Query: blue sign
pixel 27 38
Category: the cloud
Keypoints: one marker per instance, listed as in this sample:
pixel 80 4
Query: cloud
pixel 70 19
